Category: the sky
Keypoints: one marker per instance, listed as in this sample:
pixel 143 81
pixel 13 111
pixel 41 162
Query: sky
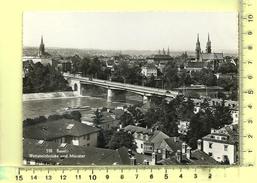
pixel 131 30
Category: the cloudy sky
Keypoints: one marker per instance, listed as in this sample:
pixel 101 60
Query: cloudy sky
pixel 131 30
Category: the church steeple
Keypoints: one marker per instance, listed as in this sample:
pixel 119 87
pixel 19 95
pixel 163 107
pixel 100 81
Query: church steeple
pixel 168 51
pixel 198 48
pixel 163 52
pixel 41 50
pixel 208 45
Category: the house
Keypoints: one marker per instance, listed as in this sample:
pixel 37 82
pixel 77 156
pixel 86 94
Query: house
pixel 183 154
pixel 40 152
pixel 147 140
pixel 63 131
pixel 108 121
pixel 183 126
pixel 171 144
pixel 149 70
pixel 222 144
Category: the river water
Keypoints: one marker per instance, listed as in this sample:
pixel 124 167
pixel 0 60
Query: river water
pixel 45 107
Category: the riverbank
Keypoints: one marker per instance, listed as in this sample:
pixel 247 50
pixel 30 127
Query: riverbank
pixel 49 95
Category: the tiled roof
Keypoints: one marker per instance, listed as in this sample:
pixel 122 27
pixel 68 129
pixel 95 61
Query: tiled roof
pixel 56 129
pixel 197 158
pixel 138 129
pixel 195 65
pixel 88 155
pixel 212 56
pixel 157 138
pixel 174 143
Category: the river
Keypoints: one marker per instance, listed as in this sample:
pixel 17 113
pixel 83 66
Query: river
pixel 45 107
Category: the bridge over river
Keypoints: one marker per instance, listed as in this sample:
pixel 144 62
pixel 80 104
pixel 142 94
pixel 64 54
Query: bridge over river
pixel 77 82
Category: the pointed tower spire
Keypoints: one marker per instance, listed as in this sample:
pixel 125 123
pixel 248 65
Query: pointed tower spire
pixel 159 52
pixel 208 44
pixel 198 48
pixel 42 42
pixel 163 51
pixel 168 51
pixel 41 50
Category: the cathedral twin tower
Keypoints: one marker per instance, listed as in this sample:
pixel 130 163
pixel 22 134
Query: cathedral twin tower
pixel 198 47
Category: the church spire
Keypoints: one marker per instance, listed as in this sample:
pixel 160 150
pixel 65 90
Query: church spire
pixel 168 51
pixel 198 48
pixel 42 42
pixel 163 51
pixel 208 45
pixel 41 50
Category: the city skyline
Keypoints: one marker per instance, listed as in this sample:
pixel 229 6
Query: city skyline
pixel 123 31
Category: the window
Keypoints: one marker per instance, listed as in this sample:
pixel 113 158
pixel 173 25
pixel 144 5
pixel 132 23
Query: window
pixel 88 145
pixel 210 154
pixel 225 147
pixel 141 145
pixel 210 145
pixel 86 137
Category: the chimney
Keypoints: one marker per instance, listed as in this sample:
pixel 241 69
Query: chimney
pixel 129 152
pixel 184 147
pixel 179 156
pixel 120 126
pixel 199 144
pixel 154 158
pixel 164 153
pixel 188 153
pixel 133 160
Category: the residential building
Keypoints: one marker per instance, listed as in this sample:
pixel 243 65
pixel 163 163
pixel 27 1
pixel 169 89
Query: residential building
pixel 149 70
pixel 176 152
pixel 222 144
pixel 183 127
pixel 63 131
pixel 147 140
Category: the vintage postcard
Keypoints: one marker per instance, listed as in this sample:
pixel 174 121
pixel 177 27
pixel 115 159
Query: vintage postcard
pixel 130 88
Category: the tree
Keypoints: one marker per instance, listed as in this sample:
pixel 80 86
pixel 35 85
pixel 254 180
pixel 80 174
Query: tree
pixel 150 82
pixel 104 137
pixel 222 115
pixel 42 78
pixel 76 115
pixel 136 113
pixel 98 117
pixel 126 119
pixel 204 77
pixel 171 75
pixel 120 139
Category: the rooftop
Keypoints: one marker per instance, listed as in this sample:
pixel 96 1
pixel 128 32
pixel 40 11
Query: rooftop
pixel 198 157
pixel 212 56
pixel 58 128
pixel 229 131
pixel 73 155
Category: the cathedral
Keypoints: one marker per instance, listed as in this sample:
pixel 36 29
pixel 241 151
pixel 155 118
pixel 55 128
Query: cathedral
pixel 208 58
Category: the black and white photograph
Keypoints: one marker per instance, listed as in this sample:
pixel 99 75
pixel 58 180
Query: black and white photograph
pixel 130 88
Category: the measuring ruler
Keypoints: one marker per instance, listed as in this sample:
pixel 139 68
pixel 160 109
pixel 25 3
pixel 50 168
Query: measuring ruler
pixel 247 82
